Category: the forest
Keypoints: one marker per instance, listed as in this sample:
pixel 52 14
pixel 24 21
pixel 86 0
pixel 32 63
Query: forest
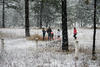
pixel 49 33
pixel 48 12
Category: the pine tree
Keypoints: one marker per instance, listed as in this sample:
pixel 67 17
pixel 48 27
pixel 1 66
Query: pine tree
pixel 27 32
pixel 64 27
pixel 87 2
pixel 46 11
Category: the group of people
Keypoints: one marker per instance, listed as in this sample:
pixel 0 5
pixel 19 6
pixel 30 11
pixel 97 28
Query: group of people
pixel 50 33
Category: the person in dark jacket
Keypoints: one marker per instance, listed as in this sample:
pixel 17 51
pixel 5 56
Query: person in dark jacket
pixel 44 32
pixel 75 33
pixel 49 33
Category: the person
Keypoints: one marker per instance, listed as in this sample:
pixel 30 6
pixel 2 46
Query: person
pixel 75 33
pixel 49 33
pixel 44 32
pixel 52 35
pixel 58 33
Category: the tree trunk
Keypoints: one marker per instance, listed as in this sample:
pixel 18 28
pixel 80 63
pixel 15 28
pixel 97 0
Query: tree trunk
pixel 41 8
pixel 64 27
pixel 3 14
pixel 94 35
pixel 27 32
pixel 46 24
pixel 81 23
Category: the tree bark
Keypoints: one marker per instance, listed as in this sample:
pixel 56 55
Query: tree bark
pixel 64 27
pixel 3 14
pixel 27 32
pixel 94 35
pixel 41 9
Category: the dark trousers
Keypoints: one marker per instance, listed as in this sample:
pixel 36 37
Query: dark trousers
pixel 52 36
pixel 49 36
pixel 43 36
pixel 75 36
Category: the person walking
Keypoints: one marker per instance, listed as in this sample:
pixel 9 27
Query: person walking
pixel 58 33
pixel 75 33
pixel 44 32
pixel 49 33
pixel 52 35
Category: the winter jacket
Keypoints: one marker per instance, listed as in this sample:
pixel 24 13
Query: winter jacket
pixel 58 33
pixel 49 31
pixel 75 31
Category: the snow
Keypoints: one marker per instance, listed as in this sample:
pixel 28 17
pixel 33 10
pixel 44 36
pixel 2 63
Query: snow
pixel 20 52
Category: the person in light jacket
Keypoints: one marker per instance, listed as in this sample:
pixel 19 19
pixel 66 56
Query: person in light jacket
pixel 58 33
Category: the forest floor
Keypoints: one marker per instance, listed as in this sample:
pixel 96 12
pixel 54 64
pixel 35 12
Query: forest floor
pixel 20 52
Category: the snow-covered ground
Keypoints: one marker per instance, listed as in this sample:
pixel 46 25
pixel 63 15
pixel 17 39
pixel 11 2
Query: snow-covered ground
pixel 20 52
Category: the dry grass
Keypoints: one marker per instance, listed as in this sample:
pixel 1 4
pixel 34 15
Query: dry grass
pixel 85 50
pixel 40 38
pixel 2 35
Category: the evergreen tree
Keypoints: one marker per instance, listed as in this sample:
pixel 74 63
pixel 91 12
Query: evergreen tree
pixel 84 13
pixel 46 11
pixel 87 2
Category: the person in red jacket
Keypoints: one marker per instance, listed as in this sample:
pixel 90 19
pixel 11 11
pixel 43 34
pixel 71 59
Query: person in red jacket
pixel 75 33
